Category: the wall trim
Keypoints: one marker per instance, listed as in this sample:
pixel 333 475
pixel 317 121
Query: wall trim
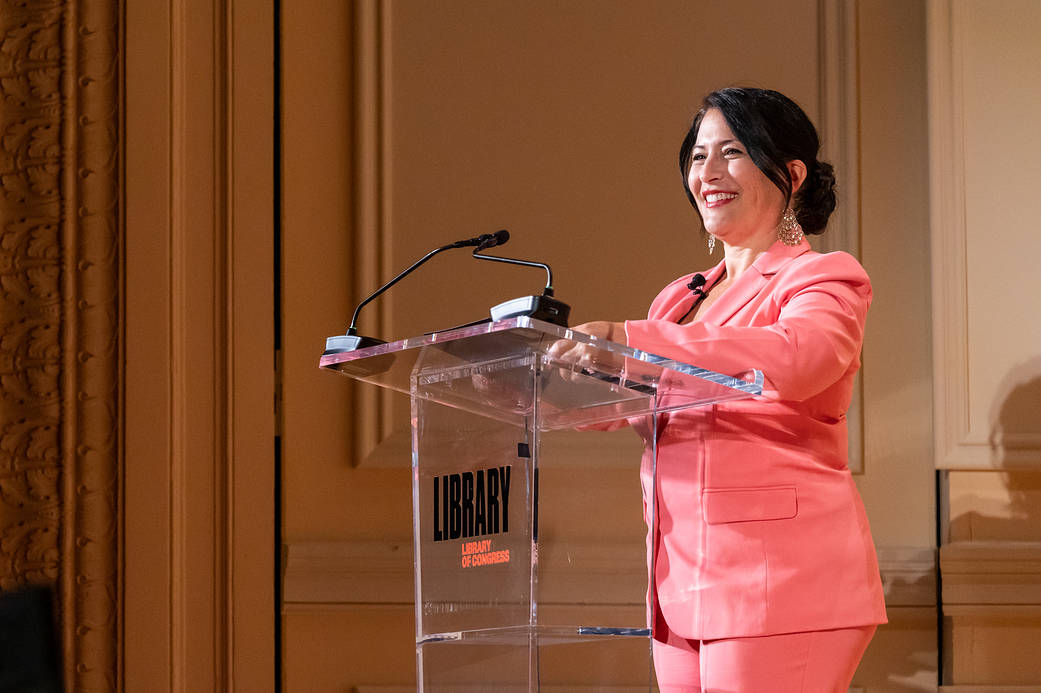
pixel 956 445
pixel 991 572
pixel 947 212
pixel 908 575
pixel 989 689
pixel 198 529
pixel 337 573
pixel 371 163
pixel 839 43
pixel 549 688
pixel 840 117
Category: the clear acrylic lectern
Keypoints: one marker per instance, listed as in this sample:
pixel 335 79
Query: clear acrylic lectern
pixel 527 502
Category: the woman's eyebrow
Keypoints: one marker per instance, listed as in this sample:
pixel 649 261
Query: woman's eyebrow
pixel 720 143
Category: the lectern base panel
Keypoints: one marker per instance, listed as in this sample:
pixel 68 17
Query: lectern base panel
pixel 537 658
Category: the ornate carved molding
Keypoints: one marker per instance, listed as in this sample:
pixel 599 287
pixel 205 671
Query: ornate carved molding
pixel 59 318
pixel 30 294
pixel 92 354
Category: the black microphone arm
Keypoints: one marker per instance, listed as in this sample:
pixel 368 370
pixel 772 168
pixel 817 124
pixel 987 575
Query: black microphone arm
pixel 543 307
pixel 548 291
pixel 352 340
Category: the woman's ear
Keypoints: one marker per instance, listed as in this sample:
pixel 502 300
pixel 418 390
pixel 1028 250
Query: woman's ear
pixel 797 171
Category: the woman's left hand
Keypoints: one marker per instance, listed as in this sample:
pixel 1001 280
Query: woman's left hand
pixel 611 331
pixel 582 354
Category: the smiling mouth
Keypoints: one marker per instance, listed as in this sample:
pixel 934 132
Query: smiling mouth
pixel 719 197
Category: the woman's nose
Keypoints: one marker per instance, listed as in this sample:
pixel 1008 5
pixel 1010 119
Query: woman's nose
pixel 710 168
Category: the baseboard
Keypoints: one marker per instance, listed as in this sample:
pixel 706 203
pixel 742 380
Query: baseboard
pixel 991 572
pixel 380 572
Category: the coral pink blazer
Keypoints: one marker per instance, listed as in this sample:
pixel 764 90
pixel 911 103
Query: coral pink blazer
pixel 760 528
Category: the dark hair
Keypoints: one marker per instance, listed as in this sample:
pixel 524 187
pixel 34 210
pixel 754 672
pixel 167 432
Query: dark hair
pixel 775 131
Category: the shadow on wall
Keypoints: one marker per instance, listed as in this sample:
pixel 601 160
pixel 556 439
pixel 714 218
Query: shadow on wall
pixel 1006 504
pixel 902 657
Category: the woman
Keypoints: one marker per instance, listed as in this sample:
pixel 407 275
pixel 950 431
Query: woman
pixel 766 577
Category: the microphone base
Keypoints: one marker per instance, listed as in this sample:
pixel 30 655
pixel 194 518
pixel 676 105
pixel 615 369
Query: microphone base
pixel 545 308
pixel 343 343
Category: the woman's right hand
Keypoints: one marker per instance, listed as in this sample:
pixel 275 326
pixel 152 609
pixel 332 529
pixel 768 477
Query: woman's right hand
pixel 582 355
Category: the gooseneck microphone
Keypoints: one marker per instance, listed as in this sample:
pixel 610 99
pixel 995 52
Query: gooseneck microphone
pixel 490 240
pixel 543 307
pixel 352 340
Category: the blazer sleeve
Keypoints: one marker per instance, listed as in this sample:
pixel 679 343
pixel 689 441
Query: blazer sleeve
pixel 807 333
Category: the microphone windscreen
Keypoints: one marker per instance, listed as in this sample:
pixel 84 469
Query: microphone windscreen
pixel 696 282
pixel 490 240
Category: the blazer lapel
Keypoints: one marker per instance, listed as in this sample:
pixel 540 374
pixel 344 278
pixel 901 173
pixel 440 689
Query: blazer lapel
pixel 752 281
pixel 681 307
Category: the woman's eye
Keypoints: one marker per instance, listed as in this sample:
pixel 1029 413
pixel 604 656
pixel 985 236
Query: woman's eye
pixel 698 157
pixel 732 152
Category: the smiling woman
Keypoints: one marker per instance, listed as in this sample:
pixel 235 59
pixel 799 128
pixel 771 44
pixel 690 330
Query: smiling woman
pixel 765 575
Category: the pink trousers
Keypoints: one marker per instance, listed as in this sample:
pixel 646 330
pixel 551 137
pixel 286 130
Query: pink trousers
pixel 815 662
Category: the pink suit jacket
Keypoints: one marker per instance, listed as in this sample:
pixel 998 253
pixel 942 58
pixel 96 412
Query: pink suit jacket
pixel 760 528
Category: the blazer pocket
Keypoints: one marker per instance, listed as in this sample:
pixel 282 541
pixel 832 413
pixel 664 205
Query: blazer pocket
pixel 721 506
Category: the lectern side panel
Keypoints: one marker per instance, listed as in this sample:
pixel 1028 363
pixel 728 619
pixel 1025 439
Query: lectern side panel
pixel 536 661
pixel 593 521
pixel 472 496
pixel 462 666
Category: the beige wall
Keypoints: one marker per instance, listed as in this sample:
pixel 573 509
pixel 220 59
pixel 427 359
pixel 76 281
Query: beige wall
pixel 562 122
pixel 895 251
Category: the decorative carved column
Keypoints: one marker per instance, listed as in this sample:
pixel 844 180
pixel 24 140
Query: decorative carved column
pixel 60 329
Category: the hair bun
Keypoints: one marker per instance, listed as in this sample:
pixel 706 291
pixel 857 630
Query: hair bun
pixel 815 200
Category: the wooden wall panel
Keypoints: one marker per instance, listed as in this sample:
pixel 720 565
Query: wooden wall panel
pixel 199 611
pixel 984 216
pixel 483 117
pixel 562 123
pixel 893 126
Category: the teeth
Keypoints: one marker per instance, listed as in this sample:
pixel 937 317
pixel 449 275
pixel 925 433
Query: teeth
pixel 716 197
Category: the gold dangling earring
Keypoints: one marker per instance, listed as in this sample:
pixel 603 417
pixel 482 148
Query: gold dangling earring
pixel 711 244
pixel 790 231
